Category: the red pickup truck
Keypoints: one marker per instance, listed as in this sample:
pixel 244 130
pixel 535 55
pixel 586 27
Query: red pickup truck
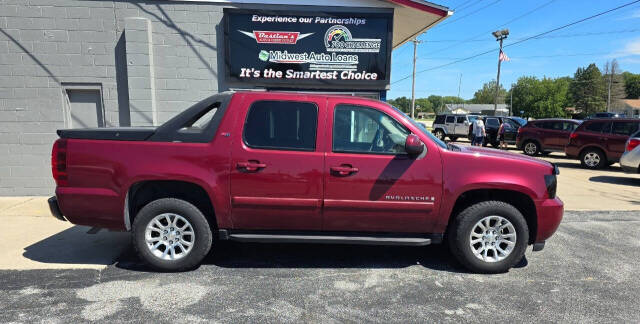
pixel 304 168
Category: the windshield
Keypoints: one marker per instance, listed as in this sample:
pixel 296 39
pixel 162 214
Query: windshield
pixel 422 128
pixel 519 120
pixel 472 118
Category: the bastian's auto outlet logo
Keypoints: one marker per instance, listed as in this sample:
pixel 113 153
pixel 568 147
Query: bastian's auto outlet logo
pixel 338 38
pixel 275 37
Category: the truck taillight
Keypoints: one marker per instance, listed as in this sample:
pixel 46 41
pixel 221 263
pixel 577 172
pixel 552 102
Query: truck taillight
pixel 573 135
pixel 631 144
pixel 59 162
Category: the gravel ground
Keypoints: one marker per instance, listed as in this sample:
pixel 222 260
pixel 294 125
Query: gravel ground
pixel 588 272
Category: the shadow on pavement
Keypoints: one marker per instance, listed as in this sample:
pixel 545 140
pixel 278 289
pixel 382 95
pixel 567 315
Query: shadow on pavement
pixel 75 246
pixel 261 255
pixel 627 181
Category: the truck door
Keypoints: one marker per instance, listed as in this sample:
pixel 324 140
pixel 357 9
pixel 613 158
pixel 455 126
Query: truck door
pixel 277 164
pixel 371 184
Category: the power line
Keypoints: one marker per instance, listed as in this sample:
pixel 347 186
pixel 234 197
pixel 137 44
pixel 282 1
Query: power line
pixel 543 56
pixel 462 4
pixel 572 23
pixel 522 40
pixel 501 25
pixel 548 36
pixel 469 14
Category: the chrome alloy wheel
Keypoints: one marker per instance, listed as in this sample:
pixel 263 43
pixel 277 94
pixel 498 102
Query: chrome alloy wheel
pixel 592 159
pixel 169 236
pixel 531 148
pixel 492 239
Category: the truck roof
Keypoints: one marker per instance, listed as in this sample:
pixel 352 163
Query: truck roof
pixel 296 94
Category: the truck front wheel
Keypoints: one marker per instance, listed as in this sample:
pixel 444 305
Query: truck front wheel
pixel 489 237
pixel 171 235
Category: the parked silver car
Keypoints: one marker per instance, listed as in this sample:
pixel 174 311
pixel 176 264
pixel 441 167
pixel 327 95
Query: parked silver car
pixel 630 160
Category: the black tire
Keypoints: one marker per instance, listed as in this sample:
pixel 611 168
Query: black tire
pixel 453 138
pixel 460 231
pixel 202 231
pixel 587 157
pixel 528 150
pixel 439 134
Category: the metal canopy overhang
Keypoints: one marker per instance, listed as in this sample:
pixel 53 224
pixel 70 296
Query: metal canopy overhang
pixel 413 17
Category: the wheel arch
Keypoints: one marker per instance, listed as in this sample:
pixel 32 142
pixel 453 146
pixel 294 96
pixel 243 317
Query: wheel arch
pixel 444 130
pixel 521 201
pixel 143 192
pixel 593 146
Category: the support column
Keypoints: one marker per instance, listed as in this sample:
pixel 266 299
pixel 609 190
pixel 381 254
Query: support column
pixel 141 80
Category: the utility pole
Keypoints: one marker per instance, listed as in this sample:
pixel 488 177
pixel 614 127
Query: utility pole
pixel 413 84
pixel 500 35
pixel 609 88
pixel 511 103
pixel 459 84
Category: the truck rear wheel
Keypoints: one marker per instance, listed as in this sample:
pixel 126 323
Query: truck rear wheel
pixel 489 237
pixel 171 235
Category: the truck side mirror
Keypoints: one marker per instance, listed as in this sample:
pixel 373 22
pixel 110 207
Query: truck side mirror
pixel 413 145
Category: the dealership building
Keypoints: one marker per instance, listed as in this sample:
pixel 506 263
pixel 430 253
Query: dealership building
pixel 98 63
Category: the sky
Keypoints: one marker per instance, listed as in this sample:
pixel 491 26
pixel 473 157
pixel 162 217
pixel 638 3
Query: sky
pixel 468 32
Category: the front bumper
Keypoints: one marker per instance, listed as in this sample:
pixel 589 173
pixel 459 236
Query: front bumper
pixel 550 213
pixel 55 209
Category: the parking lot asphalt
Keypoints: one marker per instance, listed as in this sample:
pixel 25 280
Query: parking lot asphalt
pixel 587 273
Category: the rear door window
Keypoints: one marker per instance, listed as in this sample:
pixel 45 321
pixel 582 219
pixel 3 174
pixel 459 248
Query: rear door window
pixel 624 128
pixel 556 125
pixel 595 127
pixel 281 125
pixel 451 119
pixel 461 120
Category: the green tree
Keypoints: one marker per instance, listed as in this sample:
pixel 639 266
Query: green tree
pixel 487 94
pixel 402 103
pixel 631 85
pixel 541 98
pixel 423 105
pixel 437 103
pixel 588 90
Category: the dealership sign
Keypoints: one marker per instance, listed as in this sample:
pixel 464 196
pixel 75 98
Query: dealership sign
pixel 308 50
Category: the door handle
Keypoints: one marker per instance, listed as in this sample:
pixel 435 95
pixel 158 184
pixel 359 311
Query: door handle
pixel 343 170
pixel 251 165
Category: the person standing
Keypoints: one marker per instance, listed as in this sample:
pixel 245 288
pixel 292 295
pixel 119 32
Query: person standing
pixel 501 130
pixel 479 132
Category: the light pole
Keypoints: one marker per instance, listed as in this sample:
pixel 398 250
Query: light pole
pixel 500 35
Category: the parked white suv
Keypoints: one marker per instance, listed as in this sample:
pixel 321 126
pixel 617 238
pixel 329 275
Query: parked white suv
pixel 452 126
